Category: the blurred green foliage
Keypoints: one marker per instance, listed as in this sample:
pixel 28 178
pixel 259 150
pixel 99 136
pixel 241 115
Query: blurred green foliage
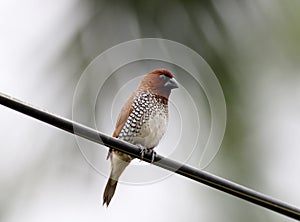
pixel 248 44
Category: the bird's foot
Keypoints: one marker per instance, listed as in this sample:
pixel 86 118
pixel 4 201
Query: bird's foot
pixel 108 154
pixel 148 151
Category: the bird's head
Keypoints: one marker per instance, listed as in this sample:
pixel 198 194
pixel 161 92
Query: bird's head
pixel 159 82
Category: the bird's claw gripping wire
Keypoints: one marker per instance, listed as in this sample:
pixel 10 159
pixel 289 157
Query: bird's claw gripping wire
pixel 149 151
pixel 108 154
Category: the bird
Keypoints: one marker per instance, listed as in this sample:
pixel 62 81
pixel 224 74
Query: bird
pixel 142 121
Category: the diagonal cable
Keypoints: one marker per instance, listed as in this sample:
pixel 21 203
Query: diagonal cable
pixel 163 162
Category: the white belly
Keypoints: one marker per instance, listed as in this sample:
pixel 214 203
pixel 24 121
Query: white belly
pixel 153 130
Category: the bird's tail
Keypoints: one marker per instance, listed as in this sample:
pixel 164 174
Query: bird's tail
pixel 109 191
pixel 119 162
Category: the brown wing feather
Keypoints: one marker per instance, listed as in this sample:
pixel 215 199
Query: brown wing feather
pixel 123 116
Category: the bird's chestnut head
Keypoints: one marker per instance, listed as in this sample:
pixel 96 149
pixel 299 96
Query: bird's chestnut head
pixel 159 82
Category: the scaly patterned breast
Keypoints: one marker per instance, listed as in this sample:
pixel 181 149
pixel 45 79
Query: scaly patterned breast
pixel 147 122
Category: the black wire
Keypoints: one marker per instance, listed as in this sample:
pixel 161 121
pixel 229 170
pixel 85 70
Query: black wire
pixel 177 167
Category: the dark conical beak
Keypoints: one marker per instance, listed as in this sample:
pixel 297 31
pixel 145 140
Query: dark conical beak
pixel 172 83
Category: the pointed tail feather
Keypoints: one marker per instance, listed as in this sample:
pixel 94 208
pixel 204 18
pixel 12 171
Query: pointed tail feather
pixel 109 191
pixel 119 162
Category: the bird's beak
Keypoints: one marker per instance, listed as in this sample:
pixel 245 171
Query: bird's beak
pixel 172 83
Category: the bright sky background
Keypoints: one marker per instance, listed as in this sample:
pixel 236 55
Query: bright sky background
pixel 31 40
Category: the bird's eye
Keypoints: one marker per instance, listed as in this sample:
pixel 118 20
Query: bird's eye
pixel 162 76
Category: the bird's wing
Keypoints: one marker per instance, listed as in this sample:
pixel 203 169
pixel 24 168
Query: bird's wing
pixel 123 116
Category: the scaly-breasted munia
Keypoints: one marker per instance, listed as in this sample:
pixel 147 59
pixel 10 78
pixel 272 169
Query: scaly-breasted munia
pixel 142 121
